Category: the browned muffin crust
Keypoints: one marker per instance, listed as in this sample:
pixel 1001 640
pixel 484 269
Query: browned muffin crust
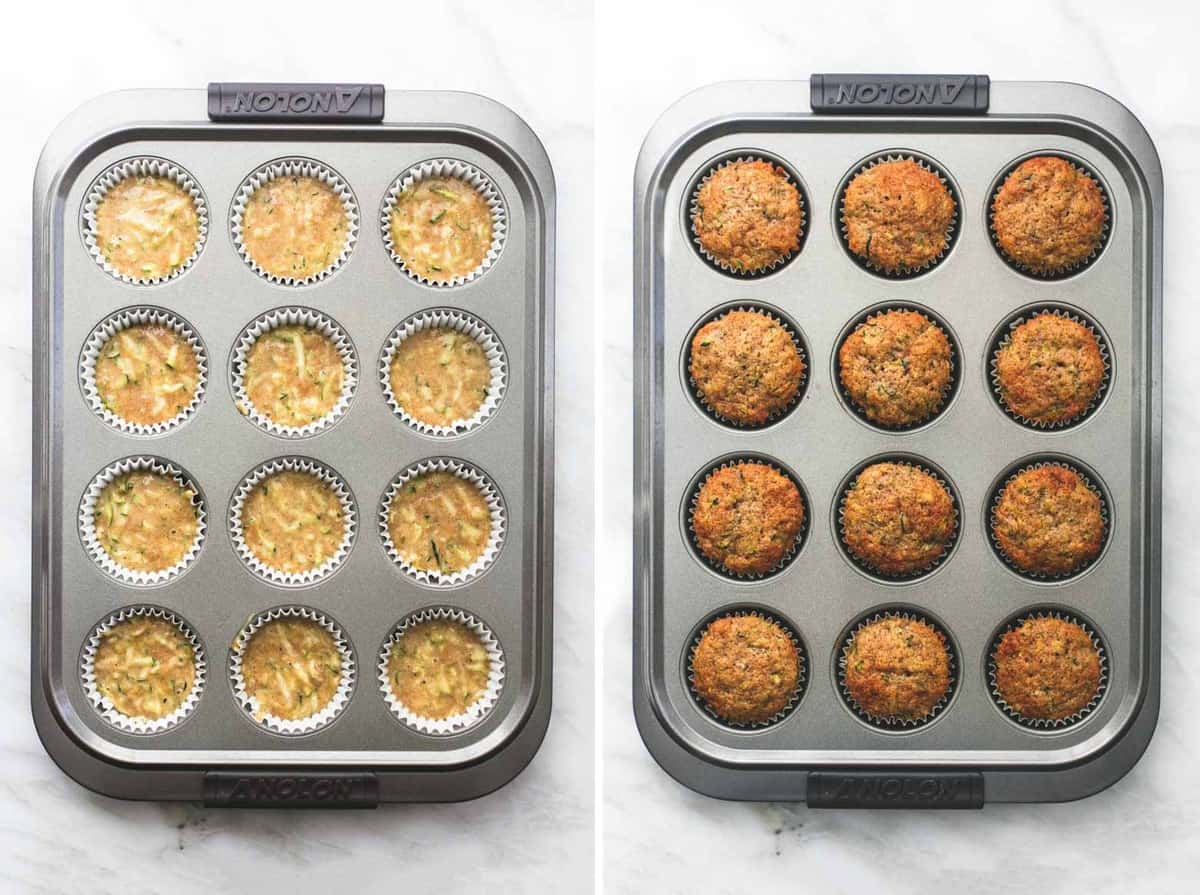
pixel 746 668
pixel 896 367
pixel 748 215
pixel 897 215
pixel 898 519
pixel 745 366
pixel 1047 668
pixel 1050 370
pixel 1048 215
pixel 897 668
pixel 1048 521
pixel 747 517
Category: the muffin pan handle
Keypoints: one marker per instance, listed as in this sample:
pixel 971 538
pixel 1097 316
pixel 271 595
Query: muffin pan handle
pixel 900 94
pixel 311 103
pixel 884 789
pixel 290 789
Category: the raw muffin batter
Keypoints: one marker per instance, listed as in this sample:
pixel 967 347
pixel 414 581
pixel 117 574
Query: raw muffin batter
pixel 439 522
pixel 898 519
pixel 295 227
pixel 145 667
pixel 1047 668
pixel 147 227
pixel 746 668
pixel 897 215
pixel 897 668
pixel 440 376
pixel 441 228
pixel 293 375
pixel 147 374
pixel 292 668
pixel 146 521
pixel 748 216
pixel 747 517
pixel 292 521
pixel 438 668
pixel 1048 521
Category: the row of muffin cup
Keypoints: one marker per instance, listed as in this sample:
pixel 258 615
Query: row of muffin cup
pixel 898 214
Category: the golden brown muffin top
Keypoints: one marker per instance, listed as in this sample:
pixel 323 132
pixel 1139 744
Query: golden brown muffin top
pixel 746 366
pixel 897 668
pixel 1048 521
pixel 1050 370
pixel 746 517
pixel 748 215
pixel 1047 668
pixel 746 668
pixel 898 519
pixel 897 215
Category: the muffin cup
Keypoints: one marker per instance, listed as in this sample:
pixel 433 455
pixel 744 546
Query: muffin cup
pixel 445 167
pixel 293 316
pixel 142 166
pixel 293 167
pixel 491 494
pixel 87 520
pixel 292 464
pixel 104 706
pixel 482 706
pixel 249 704
pixel 462 322
pixel 122 320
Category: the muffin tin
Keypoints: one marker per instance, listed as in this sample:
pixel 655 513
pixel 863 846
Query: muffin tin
pixel 364 138
pixel 972 131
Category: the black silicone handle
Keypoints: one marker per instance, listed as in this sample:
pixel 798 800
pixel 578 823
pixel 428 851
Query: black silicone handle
pixel 325 103
pixel 900 94
pixel 881 789
pixel 281 789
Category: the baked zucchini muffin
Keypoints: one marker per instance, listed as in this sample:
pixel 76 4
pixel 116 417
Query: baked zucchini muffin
pixel 1047 521
pixel 745 366
pixel 147 374
pixel 295 227
pixel 292 668
pixel 441 228
pixel 896 368
pixel 293 522
pixel 293 375
pixel 748 216
pixel 898 519
pixel 746 668
pixel 147 227
pixel 439 522
pixel 746 518
pixel 145 667
pixel 438 668
pixel 146 521
pixel 897 668
pixel 897 216
pixel 1047 669
pixel 1050 369
pixel 1048 216
pixel 440 376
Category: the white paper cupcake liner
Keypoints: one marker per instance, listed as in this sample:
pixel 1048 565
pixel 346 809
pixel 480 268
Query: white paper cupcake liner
pixel 482 706
pixel 87 520
pixel 294 167
pixel 462 322
pixel 104 706
pixel 491 495
pixel 142 166
pixel 331 710
pixel 314 468
pixel 293 316
pixel 445 167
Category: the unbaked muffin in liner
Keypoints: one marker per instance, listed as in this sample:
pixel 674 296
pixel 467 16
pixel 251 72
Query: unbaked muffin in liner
pixel 142 166
pixel 482 706
pixel 311 467
pixel 447 167
pixel 285 726
pixel 1047 725
pixel 491 494
pixel 294 167
pixel 87 519
pixel 104 706
pixel 467 324
pixel 143 315
pixel 293 316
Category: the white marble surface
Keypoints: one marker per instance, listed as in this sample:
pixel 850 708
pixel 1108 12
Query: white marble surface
pixel 1143 835
pixel 533 835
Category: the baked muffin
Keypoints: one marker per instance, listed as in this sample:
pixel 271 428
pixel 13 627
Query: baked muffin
pixel 147 227
pixel 293 522
pixel 295 227
pixel 1050 369
pixel 441 228
pixel 146 521
pixel 745 366
pixel 1048 216
pixel 145 667
pixel 898 519
pixel 747 517
pixel 438 668
pixel 1048 521
pixel 440 376
pixel 748 216
pixel 147 374
pixel 439 522
pixel 896 368
pixel 897 668
pixel 1047 668
pixel 745 668
pixel 293 375
pixel 292 668
pixel 897 216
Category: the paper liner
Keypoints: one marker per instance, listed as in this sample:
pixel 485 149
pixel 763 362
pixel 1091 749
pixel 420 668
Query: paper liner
pixel 122 320
pixel 446 167
pixel 104 706
pixel 293 167
pixel 1046 725
pixel 462 322
pixel 292 464
pixel 87 520
pixel 495 503
pixel 142 166
pixel 293 316
pixel 331 710
pixel 454 723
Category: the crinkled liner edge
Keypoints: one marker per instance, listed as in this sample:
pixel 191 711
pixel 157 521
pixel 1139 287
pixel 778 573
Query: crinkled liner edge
pixel 499 520
pixel 142 166
pixel 327 475
pixel 480 709
pixel 87 519
pixel 331 710
pixel 445 167
pixel 104 706
pixel 294 167
pixel 119 321
pixel 469 325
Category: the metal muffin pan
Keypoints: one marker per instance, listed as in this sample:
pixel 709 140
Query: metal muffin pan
pixel 822 752
pixel 368 136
